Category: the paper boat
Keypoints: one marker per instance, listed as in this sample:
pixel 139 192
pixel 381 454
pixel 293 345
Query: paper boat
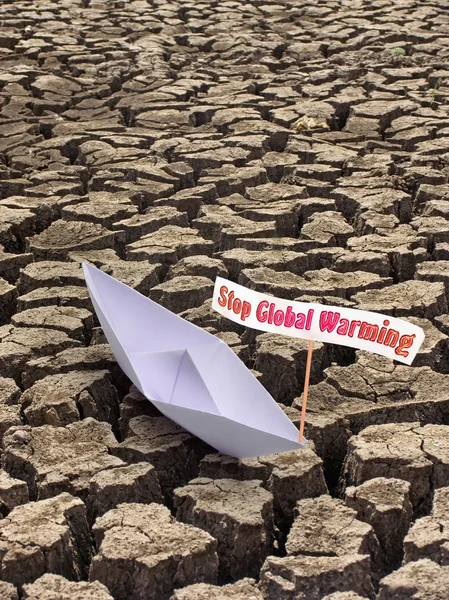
pixel 191 376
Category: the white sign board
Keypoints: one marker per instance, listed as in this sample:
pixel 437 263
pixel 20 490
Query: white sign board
pixel 374 332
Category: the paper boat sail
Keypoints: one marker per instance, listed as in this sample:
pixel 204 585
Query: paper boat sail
pixel 191 376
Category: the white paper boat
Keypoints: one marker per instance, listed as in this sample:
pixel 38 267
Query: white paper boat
pixel 191 376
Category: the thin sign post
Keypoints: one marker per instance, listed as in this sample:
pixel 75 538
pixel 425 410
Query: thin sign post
pixel 306 391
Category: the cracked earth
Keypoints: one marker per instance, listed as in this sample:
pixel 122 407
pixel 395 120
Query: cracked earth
pixel 297 148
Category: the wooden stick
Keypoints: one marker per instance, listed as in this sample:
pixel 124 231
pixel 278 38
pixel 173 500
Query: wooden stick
pixel 306 390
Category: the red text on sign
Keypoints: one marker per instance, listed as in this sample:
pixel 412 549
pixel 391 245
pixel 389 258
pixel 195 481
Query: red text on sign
pixel 231 302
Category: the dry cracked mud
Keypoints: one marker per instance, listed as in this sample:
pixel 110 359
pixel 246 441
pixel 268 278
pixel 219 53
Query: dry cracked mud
pixel 298 148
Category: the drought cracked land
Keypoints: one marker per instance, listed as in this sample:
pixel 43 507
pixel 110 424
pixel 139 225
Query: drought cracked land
pixel 298 148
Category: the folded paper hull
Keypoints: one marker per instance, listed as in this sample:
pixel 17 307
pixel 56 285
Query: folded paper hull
pixel 191 376
pixel 225 435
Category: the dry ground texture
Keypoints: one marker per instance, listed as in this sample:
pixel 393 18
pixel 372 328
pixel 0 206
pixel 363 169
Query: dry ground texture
pixel 298 147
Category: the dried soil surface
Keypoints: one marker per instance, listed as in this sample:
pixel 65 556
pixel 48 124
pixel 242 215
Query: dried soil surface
pixel 300 148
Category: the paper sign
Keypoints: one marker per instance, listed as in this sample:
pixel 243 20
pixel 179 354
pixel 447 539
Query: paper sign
pixel 191 376
pixel 374 332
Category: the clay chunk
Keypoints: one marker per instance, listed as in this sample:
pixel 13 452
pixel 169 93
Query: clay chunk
pixel 324 526
pixel 47 536
pixel 56 587
pixel 344 596
pixel 244 589
pixel 420 580
pixel 429 536
pixel 62 399
pixel 289 476
pixel 384 504
pixel 172 450
pixel 134 483
pixel 53 460
pixel 312 577
pixel 419 455
pixel 144 554
pixel 239 515
pixel 8 591
pixel 13 492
